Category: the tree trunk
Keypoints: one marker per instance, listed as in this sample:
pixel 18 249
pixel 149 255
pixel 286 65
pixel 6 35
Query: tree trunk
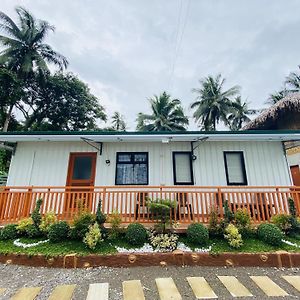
pixel 7 119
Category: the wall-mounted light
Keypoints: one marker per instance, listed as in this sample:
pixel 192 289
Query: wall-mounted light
pixel 194 157
pixel 107 162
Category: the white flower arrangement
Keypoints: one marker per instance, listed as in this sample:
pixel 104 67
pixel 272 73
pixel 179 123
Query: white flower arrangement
pixel 146 248
pixel 24 245
pixel 291 244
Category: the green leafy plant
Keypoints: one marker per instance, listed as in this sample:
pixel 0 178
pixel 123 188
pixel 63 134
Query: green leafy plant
pixel 9 232
pixel 161 208
pixel 136 234
pixel 282 221
pixel 270 234
pixel 214 226
pixel 233 236
pixel 23 224
pixel 58 232
pixel 228 214
pixel 32 231
pixel 36 215
pixel 295 224
pixel 115 220
pixel 100 216
pixel 47 220
pixel 93 236
pixel 197 234
pixel 81 225
pixel 242 221
pixel 163 242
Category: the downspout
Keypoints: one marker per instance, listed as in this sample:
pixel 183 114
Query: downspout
pixel 287 163
pixel 31 168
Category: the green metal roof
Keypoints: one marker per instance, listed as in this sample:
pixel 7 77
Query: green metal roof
pixel 149 132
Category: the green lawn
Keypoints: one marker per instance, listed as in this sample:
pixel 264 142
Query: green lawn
pixel 108 247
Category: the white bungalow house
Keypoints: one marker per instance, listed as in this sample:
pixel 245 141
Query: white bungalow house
pixel 200 170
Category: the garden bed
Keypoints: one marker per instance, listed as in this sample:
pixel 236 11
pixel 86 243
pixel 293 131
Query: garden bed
pixel 231 241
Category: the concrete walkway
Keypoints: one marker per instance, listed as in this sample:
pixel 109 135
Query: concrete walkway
pixel 170 283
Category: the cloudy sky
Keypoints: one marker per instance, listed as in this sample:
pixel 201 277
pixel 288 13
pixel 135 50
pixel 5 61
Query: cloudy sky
pixel 128 50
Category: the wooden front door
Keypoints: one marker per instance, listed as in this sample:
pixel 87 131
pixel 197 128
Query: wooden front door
pixel 295 171
pixel 81 173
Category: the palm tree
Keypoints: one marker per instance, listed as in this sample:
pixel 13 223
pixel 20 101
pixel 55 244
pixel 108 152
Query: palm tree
pixel 291 85
pixel 25 51
pixel 118 122
pixel 239 114
pixel 167 115
pixel 213 103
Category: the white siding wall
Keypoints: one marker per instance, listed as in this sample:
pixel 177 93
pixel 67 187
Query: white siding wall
pixel 46 163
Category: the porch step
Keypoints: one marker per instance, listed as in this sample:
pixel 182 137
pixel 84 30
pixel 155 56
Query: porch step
pixel 200 288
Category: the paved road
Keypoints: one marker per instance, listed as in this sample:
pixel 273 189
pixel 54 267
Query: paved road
pixel 148 282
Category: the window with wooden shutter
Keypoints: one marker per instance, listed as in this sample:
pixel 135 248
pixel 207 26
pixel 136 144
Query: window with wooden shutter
pixel 235 168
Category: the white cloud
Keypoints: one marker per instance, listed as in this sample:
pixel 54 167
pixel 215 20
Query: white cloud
pixel 125 50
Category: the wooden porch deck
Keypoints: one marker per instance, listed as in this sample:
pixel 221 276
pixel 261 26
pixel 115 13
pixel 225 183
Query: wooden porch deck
pixel 194 203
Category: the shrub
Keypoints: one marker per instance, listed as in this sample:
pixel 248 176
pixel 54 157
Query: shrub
pixel 214 226
pixel 160 208
pixel 9 232
pixel 163 241
pixel 295 224
pixel 47 220
pixel 81 225
pixel 23 225
pixel 282 221
pixel 270 234
pixel 136 234
pixel 228 214
pixel 36 215
pixel 197 234
pixel 242 218
pixel 115 221
pixel 100 216
pixel 32 231
pixel 93 236
pixel 242 221
pixel 58 231
pixel 233 236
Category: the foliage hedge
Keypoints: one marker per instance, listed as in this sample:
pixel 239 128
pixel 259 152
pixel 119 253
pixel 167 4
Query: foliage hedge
pixel 270 234
pixel 197 234
pixel 136 234
pixel 8 232
pixel 58 232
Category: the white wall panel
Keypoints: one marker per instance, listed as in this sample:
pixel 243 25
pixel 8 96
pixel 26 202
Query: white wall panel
pixel 46 163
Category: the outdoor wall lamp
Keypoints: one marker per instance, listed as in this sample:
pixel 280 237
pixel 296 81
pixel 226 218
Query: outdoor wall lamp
pixel 107 162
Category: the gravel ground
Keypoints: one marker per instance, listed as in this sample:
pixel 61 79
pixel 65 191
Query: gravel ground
pixel 14 277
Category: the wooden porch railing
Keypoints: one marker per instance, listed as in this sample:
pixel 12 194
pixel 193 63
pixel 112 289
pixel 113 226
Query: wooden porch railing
pixel 194 203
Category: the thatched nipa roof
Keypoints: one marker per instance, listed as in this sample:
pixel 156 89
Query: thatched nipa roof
pixel 285 114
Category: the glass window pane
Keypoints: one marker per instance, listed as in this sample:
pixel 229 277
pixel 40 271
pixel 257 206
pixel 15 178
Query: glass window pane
pixel 124 157
pixel 183 168
pixel 140 174
pixel 235 168
pixel 132 168
pixel 82 168
pixel 124 174
pixel 140 157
